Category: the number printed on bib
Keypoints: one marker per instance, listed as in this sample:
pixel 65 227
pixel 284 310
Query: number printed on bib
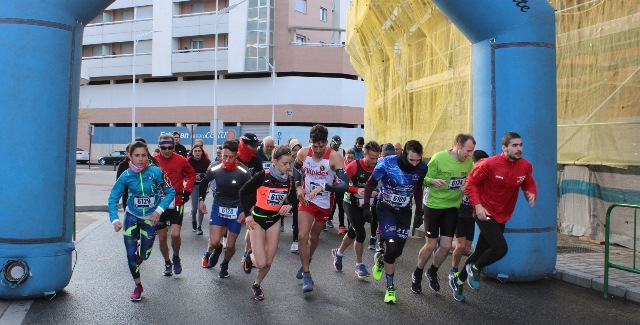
pixel 228 213
pixel 144 202
pixel 276 197
pixel 399 201
pixel 266 165
pixel 456 183
pixel 316 185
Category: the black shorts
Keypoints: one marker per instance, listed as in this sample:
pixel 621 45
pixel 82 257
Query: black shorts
pixel 466 225
pixel 267 222
pixel 440 222
pixel 170 217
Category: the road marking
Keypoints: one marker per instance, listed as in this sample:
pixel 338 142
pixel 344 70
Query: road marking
pixel 16 312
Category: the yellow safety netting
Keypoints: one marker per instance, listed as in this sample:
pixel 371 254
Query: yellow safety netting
pixel 417 70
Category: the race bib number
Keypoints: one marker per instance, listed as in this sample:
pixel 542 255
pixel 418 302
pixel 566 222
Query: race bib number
pixel 316 185
pixel 399 201
pixel 465 199
pixel 228 213
pixel 456 183
pixel 276 197
pixel 266 165
pixel 144 202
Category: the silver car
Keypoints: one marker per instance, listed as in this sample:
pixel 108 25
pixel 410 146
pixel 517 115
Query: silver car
pixel 82 156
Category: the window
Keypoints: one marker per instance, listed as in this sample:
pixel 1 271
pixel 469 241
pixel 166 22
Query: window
pixel 196 43
pixel 300 38
pixel 301 6
pixel 127 14
pixel 126 48
pixel 323 14
pixel 197 7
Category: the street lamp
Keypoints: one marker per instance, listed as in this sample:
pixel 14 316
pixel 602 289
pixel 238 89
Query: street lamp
pixel 136 39
pixel 273 94
pixel 215 73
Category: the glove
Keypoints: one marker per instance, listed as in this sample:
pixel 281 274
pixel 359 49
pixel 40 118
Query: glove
pixel 366 213
pixel 418 218
pixel 185 196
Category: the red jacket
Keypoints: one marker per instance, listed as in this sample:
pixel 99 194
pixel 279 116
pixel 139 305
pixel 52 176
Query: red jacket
pixel 494 183
pixel 178 169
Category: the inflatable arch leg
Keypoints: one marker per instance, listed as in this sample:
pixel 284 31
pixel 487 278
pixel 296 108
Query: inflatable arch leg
pixel 39 85
pixel 514 89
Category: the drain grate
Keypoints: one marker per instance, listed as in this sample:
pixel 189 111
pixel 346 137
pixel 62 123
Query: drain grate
pixel 575 249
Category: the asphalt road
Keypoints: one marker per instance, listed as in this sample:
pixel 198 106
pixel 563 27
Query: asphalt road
pixel 99 293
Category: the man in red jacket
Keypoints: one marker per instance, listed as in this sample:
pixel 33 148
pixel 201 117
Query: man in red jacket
pixel 492 188
pixel 178 169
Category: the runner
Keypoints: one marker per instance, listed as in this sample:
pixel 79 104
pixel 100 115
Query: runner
pixel 375 241
pixel 265 195
pixel 295 146
pixel 335 143
pixel 226 212
pixel 150 195
pixel 358 172
pixel 400 177
pixel 446 177
pixel 324 173
pixel 492 188
pixel 178 170
pixel 264 152
pixel 465 230
pixel 247 154
pixel 199 162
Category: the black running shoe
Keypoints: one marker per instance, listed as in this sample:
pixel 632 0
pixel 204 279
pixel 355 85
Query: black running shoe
pixel 213 259
pixel 224 270
pixel 416 283
pixel 433 282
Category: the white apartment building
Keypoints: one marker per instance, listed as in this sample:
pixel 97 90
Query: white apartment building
pixel 181 45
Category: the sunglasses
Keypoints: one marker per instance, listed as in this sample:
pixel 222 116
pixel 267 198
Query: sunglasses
pixel 166 148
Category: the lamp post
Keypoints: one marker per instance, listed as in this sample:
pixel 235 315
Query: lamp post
pixel 136 39
pixel 215 71
pixel 273 95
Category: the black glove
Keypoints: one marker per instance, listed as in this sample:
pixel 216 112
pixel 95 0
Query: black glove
pixel 185 196
pixel 366 212
pixel 418 218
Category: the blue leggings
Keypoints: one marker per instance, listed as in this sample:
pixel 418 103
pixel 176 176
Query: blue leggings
pixel 137 229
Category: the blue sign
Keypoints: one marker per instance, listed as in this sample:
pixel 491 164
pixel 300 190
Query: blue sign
pixel 121 134
pixel 289 113
pixel 279 135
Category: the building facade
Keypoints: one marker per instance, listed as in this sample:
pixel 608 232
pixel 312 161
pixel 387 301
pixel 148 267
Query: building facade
pixel 280 61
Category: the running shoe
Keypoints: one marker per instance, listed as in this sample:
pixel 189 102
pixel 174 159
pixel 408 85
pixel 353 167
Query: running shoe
pixel 199 231
pixel 224 270
pixel 456 286
pixel 416 283
pixel 205 260
pixel 167 268
pixel 362 273
pixel 294 247
pixel 372 243
pixel 137 293
pixel 299 273
pixel 341 230
pixel 177 265
pixel 390 295
pixel 307 284
pixel 213 258
pixel 329 224
pixel 281 227
pixel 433 282
pixel 257 292
pixel 194 224
pixel 246 262
pixel 337 260
pixel 378 266
pixel 473 279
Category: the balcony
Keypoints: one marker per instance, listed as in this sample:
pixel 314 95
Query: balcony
pixel 115 32
pixel 117 65
pixel 199 24
pixel 198 60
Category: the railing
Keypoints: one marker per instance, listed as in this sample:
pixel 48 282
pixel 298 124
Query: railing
pixel 118 22
pixel 113 56
pixel 607 263
pixel 316 44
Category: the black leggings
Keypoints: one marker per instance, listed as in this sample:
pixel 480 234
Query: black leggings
pixel 294 211
pixel 491 246
pixel 337 201
pixel 354 215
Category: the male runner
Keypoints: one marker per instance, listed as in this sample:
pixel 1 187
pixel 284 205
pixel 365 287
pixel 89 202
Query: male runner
pixel 324 173
pixel 400 177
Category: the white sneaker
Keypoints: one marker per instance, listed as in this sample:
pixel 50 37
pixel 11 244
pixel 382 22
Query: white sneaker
pixel 294 247
pixel 224 242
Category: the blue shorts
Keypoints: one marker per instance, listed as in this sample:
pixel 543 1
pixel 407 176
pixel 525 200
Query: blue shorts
pixel 226 217
pixel 394 223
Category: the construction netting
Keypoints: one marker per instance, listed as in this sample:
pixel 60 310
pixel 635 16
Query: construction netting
pixel 417 70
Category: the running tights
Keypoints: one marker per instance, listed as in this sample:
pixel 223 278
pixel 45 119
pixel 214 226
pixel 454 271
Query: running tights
pixel 137 229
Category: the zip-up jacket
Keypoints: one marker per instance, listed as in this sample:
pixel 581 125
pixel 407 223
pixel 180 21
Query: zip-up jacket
pixel 178 169
pixel 494 182
pixel 149 191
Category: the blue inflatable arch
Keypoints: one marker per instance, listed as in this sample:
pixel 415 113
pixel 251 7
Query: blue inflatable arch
pixel 514 89
pixel 39 84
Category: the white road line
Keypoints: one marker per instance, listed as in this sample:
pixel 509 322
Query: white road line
pixel 16 312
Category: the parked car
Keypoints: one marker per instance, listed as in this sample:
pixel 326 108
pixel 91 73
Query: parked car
pixel 114 158
pixel 82 156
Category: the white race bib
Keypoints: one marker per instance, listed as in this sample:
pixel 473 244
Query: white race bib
pixel 456 183
pixel 228 213
pixel 276 197
pixel 266 165
pixel 316 185
pixel 399 201
pixel 144 202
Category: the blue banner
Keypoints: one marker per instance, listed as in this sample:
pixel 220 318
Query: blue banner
pixel 121 134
